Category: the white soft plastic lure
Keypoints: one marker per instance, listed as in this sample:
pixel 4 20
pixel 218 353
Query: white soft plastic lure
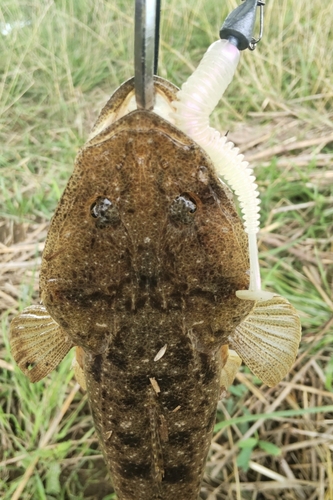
pixel 196 101
pixel 268 341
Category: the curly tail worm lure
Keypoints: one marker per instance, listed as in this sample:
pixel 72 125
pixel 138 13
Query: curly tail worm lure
pixel 196 100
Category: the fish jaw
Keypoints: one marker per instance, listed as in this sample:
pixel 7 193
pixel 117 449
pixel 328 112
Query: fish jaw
pixel 123 101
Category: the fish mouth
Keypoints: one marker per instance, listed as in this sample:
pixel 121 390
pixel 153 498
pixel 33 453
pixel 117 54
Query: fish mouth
pixel 123 102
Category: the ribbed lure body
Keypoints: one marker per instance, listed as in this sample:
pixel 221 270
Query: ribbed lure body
pixel 195 102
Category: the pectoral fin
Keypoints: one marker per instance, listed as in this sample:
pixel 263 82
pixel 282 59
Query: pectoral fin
pixel 268 339
pixel 38 344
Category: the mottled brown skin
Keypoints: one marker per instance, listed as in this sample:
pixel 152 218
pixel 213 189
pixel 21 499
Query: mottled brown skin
pixel 157 270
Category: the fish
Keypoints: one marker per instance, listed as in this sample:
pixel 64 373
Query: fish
pixel 142 261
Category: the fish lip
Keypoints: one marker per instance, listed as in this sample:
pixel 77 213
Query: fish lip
pixel 122 102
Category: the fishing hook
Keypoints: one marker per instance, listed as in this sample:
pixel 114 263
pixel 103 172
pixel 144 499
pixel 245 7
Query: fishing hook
pixel 146 42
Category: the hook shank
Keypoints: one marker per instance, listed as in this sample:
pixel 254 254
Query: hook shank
pixel 144 52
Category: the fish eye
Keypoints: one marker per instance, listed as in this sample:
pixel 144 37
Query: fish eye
pixel 183 208
pixel 105 213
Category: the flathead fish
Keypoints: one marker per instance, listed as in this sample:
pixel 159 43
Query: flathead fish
pixel 141 264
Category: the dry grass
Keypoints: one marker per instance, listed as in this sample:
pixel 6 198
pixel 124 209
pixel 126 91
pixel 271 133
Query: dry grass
pixel 50 95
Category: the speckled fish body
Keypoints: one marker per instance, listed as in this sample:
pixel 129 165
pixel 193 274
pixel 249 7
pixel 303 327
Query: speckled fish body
pixel 145 252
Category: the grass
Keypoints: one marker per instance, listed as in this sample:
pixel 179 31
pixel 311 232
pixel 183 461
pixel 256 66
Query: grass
pixel 56 72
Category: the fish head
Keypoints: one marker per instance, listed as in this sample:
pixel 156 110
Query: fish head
pixel 144 221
